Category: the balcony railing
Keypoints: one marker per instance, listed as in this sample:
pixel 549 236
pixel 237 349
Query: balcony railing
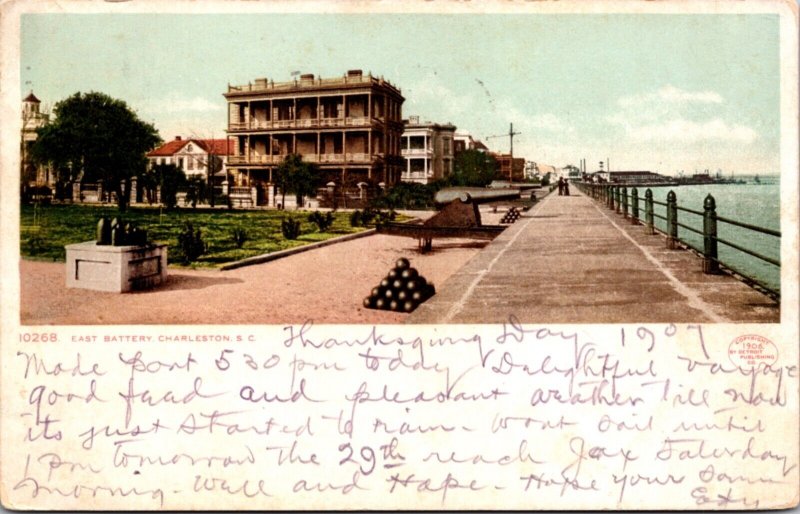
pixel 357 122
pixel 416 151
pixel 299 123
pixel 255 159
pixel 325 158
pixel 265 85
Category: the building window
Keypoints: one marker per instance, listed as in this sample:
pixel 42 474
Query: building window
pixel 180 162
pixel 190 162
pixel 189 147
pixel 446 145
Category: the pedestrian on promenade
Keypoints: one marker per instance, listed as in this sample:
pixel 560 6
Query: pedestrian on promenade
pixel 560 186
pixel 566 187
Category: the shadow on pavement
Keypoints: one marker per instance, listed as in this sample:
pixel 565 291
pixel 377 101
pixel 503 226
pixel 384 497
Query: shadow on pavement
pixel 178 282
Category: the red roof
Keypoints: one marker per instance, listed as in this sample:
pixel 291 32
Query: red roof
pixel 215 146
pixel 32 98
pixel 168 149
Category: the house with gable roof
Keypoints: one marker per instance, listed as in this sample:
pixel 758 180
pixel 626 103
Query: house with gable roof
pixel 194 156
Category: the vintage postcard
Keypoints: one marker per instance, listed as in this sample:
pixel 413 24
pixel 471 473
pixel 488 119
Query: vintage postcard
pixel 263 255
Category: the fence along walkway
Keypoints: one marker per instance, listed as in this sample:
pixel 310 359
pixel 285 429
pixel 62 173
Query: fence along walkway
pixel 570 260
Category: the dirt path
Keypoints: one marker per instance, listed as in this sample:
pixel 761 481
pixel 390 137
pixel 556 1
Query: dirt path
pixel 326 285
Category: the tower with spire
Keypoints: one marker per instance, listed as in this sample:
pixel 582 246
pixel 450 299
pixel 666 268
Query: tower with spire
pixel 32 118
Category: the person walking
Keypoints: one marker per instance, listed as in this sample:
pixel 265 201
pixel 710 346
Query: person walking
pixel 560 186
pixel 566 187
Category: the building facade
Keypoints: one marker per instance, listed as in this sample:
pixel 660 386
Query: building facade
pixel 504 166
pixel 194 156
pixel 349 127
pixel 428 149
pixel 31 174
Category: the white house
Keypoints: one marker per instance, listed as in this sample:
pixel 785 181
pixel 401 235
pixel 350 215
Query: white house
pixel 193 156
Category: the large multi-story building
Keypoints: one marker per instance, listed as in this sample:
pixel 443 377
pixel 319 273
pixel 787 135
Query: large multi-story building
pixel 349 126
pixel 428 150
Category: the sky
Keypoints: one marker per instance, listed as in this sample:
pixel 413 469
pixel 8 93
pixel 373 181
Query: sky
pixel 658 92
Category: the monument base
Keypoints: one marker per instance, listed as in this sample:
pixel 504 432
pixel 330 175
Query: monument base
pixel 116 269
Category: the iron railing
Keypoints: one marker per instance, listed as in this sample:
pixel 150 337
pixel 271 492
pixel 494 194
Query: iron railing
pixel 620 200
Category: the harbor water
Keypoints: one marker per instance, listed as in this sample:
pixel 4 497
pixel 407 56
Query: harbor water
pixel 755 204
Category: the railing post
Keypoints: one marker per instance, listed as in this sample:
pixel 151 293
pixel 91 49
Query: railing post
pixel 624 202
pixel 672 220
pixel 618 199
pixel 648 211
pixel 710 263
pixel 634 206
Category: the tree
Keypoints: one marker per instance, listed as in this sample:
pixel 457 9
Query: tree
pixel 296 176
pixel 473 168
pixel 93 138
pixel 170 178
pixel 197 190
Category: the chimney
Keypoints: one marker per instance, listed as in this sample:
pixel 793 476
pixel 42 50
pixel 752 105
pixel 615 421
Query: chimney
pixel 354 73
pixel 307 76
pixel 413 120
pixel 177 138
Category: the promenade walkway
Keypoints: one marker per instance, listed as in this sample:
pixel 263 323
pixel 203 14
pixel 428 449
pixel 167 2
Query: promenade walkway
pixel 570 260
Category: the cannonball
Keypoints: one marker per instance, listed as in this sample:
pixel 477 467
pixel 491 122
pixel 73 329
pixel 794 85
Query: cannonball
pixel 402 263
pixel 368 302
pixel 398 284
pixel 402 296
pixel 376 292
pixel 393 274
pixel 394 305
pixel 389 294
pixel 409 273
pixel 385 283
pixel 380 303
pixel 409 306
pixel 417 296
pixel 413 284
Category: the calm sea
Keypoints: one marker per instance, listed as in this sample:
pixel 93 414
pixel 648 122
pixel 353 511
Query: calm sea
pixel 756 204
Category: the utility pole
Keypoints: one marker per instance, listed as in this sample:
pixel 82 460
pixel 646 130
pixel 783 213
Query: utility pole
pixel 510 135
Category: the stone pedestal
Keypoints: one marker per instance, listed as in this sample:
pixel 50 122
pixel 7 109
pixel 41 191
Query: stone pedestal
pixel 116 269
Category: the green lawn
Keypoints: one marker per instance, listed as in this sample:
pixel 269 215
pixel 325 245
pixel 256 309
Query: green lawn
pixel 44 230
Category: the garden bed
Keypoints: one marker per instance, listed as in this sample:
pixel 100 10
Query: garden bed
pixel 46 229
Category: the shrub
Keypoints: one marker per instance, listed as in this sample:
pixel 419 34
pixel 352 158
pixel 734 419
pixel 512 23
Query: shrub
pixel 371 216
pixel 355 219
pixel 191 243
pixel 35 244
pixel 290 228
pixel 322 221
pixel 239 236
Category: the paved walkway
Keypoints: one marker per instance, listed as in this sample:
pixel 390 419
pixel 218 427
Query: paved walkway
pixel 570 260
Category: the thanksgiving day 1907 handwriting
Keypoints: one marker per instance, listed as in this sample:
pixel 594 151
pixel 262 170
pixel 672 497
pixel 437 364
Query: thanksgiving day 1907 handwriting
pixel 506 416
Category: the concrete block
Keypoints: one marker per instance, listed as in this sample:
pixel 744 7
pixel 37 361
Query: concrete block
pixel 116 269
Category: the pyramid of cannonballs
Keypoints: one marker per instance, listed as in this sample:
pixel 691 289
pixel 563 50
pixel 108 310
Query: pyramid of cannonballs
pixel 510 216
pixel 402 290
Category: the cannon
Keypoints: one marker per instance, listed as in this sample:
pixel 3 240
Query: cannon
pixel 460 218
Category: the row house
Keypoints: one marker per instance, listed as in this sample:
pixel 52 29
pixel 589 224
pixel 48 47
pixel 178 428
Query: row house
pixel 428 150
pixel 505 168
pixel 349 127
pixel 463 141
